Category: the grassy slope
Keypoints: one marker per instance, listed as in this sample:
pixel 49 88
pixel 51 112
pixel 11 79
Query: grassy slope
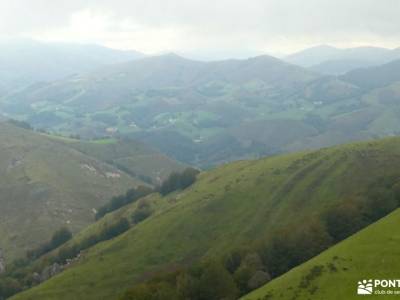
pixel 230 206
pixel 372 253
pixel 49 186
pixel 130 156
pixel 156 203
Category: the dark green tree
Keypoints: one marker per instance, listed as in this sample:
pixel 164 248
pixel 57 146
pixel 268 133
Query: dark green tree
pixel 60 237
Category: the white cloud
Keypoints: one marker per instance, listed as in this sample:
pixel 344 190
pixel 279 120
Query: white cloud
pixel 195 25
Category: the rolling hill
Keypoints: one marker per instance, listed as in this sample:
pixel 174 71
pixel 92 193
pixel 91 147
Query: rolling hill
pixel 22 61
pixel 130 156
pixel 375 77
pixel 372 253
pixel 235 205
pixel 208 113
pixel 199 106
pixel 336 61
pixel 167 76
pixel 48 182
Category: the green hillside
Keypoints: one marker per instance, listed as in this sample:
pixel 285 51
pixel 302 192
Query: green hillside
pixel 192 111
pixel 208 113
pixel 375 77
pixel 232 206
pixel 130 156
pixel 372 253
pixel 46 183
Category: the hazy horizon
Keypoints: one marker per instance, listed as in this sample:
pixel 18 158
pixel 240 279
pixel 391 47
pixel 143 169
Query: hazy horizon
pixel 204 55
pixel 205 29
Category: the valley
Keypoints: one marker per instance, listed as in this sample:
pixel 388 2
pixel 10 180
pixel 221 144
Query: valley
pixel 133 175
pixel 48 182
pixel 208 113
pixel 243 203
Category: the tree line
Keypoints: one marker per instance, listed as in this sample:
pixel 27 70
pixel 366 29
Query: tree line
pixel 60 237
pixel 19 275
pixel 175 181
pixel 247 268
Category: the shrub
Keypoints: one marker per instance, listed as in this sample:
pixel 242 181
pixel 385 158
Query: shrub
pixel 295 245
pixel 344 220
pixel 381 201
pixel 245 275
pixel 177 181
pixel 216 283
pixel 209 281
pixel 152 291
pixel 106 233
pixel 60 237
pixel 114 230
pixel 117 202
pixel 9 287
pixel 21 124
pixel 258 279
pixel 233 260
pixel 142 212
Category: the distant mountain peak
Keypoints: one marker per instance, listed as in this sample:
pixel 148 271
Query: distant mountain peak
pixel 330 60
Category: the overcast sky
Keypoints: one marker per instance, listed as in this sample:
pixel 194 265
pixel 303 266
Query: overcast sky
pixel 221 27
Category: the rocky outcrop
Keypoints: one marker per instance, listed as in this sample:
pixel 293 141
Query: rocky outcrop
pixel 2 263
pixel 50 271
pixel 53 270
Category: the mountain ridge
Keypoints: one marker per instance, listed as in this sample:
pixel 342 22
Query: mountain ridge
pixel 338 61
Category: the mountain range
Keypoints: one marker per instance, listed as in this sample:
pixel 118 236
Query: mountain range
pixel 335 61
pixel 27 61
pixel 94 158
pixel 202 107
pixel 207 113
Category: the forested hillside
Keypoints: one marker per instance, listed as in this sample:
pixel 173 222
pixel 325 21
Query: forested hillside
pixel 243 207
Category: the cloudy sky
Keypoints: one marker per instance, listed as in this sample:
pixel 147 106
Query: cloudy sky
pixel 206 27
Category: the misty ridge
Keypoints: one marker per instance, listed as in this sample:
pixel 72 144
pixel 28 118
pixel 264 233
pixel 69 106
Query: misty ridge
pixel 169 150
pixel 204 112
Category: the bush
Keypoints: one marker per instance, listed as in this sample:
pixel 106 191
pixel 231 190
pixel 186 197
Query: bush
pixel 381 201
pixel 67 253
pixel 250 272
pixel 60 237
pixel 114 230
pixel 21 124
pixel 142 212
pixel 258 279
pixel 117 202
pixel 344 220
pixel 216 283
pixel 9 287
pixel 295 245
pixel 154 291
pixel 210 281
pixel 233 260
pixel 177 181
pixel 106 233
